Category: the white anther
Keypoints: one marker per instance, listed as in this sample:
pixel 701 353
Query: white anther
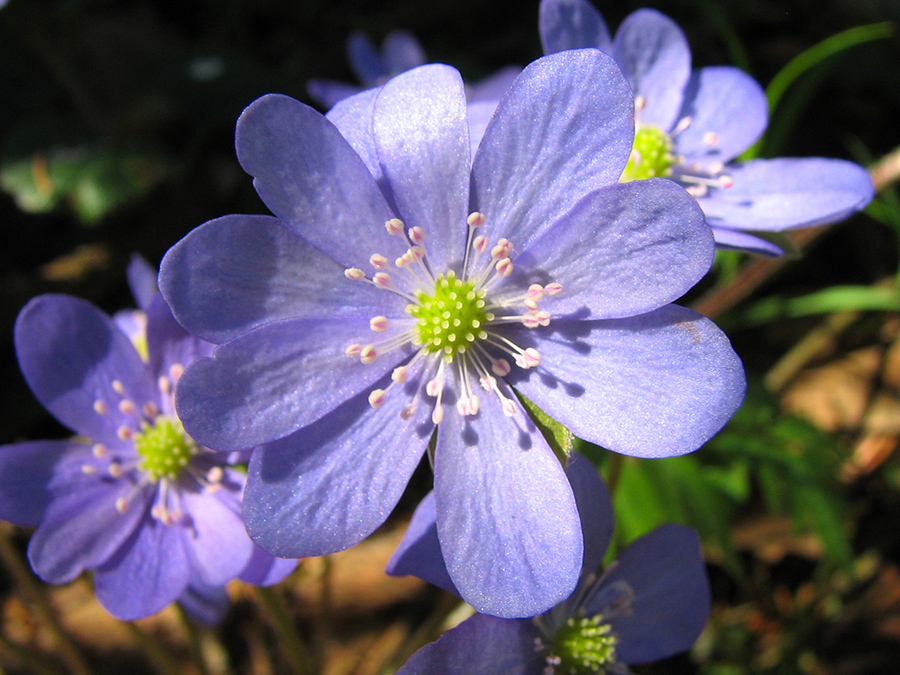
pixel 509 407
pixel 395 226
pixel 416 253
pixel 683 124
pixel 475 219
pixel 726 181
pixel 530 304
pixel 126 407
pixel 368 354
pixel 480 243
pixel 382 279
pixel 531 357
pixel 164 385
pixel 501 249
pixel 88 469
pixel 639 103
pixel 176 370
pixel 400 374
pixel 710 139
pixel 553 289
pixel 408 411
pixel 401 262
pixel 504 267
pixel 377 398
pixel 697 191
pixel 354 274
pixel 215 474
pixel 379 324
pixel 417 235
pixel 118 387
pixel 437 414
pixel 124 433
pixel 100 408
pixel 353 350
pixel 99 450
pixel 115 470
pixel 501 367
pixel 535 292
pixel 121 505
pixel 378 261
pixel 433 387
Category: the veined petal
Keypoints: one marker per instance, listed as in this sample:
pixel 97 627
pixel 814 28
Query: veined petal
pixel 216 537
pixel 422 141
pixel 656 385
pixel 623 250
pixel 786 193
pixel 480 645
pixel 572 24
pixel 727 103
pixel 149 572
pixel 70 354
pixel 268 383
pixel 564 128
pixel 236 273
pixel 311 178
pixel 741 241
pixel 671 598
pixel 338 478
pixel 506 516
pixel 595 509
pixel 655 58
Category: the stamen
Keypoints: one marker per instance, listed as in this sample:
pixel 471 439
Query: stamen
pixel 118 387
pixel 126 407
pixel 164 385
pixel 379 324
pixel 99 450
pixel 378 261
pixel 395 226
pixel 150 409
pixel 710 139
pixel 100 408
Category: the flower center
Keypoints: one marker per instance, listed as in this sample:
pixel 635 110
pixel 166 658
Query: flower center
pixel 450 319
pixel 583 646
pixel 164 448
pixel 651 156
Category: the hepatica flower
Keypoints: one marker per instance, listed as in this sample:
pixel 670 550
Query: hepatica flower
pixel 406 292
pixel 650 603
pixel 132 497
pixel 691 125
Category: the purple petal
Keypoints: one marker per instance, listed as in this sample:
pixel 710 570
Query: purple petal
pixel 204 603
pixel 480 645
pixel 311 178
pixel 365 60
pixel 419 553
pixel 82 529
pixel 479 116
pixel 780 194
pixel 506 517
pixel 353 118
pixel 328 93
pixel 216 536
pixel 274 380
pixel 656 60
pixel 493 87
pixel 70 354
pixel 422 140
pixel 150 572
pixel 32 474
pixel 142 281
pixel 595 509
pixel 724 102
pixel 671 600
pixel 565 128
pixel 332 483
pixel 401 51
pixel 624 250
pixel 656 385
pixel 265 569
pixel 741 241
pixel 236 273
pixel 572 24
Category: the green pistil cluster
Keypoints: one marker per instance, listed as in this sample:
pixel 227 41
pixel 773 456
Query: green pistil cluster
pixel 450 319
pixel 164 448
pixel 651 155
pixel 583 646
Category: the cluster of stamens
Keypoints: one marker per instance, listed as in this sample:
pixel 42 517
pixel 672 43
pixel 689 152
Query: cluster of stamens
pixel 452 320
pixel 653 155
pixel 583 646
pixel 163 451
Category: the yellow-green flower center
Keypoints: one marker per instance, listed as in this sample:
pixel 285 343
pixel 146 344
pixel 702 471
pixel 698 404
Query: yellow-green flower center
pixel 583 646
pixel 451 318
pixel 164 448
pixel 651 156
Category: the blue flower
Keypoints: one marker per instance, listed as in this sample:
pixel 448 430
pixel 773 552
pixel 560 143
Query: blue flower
pixel 132 497
pixel 347 375
pixel 650 603
pixel 691 125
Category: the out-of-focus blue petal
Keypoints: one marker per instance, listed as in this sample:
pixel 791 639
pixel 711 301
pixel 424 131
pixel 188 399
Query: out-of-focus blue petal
pixel 595 509
pixel 206 604
pixel 671 600
pixel 494 86
pixel 142 281
pixel 655 58
pixel 655 385
pixel 365 59
pixel 421 137
pixel 265 569
pixel 564 128
pixel 479 116
pixel 353 118
pixel 401 51
pixel 506 517
pixel 480 645
pixel 328 93
pixel 332 483
pixel 623 250
pixel 268 383
pixel 572 24
pixel 216 537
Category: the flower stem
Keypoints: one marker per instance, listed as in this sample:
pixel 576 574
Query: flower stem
pixel 292 645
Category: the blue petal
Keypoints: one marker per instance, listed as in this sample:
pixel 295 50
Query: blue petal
pixel 265 569
pixel 736 240
pixel 671 600
pixel 422 140
pixel 274 380
pixel 506 516
pixel 70 354
pixel 148 573
pixel 216 537
pixel 656 385
pixel 204 603
pixel 142 281
pixel 564 128
pixel 401 51
pixel 494 86
pixel 480 645
pixel 595 509
pixel 353 118
pixel 365 59
pixel 328 93
pixel 656 60
pixel 624 250
pixel 332 483
pixel 572 24
pixel 311 178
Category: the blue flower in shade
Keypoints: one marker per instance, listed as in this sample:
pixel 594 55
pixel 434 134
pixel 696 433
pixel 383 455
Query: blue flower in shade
pixel 132 497
pixel 650 603
pixel 347 374
pixel 691 125
pixel 400 52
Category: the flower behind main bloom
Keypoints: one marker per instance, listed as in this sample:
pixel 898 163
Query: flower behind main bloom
pixel 346 374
